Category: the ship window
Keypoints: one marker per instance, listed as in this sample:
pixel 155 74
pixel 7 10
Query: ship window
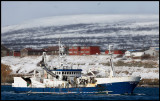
pixel 67 73
pixel 62 72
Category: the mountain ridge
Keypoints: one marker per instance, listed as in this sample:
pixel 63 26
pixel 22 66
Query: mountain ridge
pixel 99 30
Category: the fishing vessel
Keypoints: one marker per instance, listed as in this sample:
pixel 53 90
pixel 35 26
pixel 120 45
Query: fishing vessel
pixel 65 79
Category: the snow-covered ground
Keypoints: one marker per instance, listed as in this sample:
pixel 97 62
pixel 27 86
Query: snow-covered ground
pixel 28 64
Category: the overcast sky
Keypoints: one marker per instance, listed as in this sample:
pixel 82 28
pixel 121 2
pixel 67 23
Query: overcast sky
pixel 16 12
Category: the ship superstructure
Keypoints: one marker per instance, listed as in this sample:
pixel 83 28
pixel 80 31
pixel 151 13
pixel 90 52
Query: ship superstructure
pixel 65 79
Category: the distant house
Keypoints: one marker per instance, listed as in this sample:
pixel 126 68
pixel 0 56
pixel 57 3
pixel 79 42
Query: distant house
pixel 152 51
pixel 16 53
pixel 120 52
pixel 135 54
pixel 89 50
pixel 52 50
pixel 31 52
pixel 84 50
pixel 4 51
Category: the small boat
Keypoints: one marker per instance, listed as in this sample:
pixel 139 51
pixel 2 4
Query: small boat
pixel 64 79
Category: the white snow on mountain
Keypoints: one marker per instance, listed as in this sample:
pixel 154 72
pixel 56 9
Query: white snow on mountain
pixel 86 18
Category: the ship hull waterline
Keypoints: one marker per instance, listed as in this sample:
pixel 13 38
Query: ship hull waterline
pixel 107 88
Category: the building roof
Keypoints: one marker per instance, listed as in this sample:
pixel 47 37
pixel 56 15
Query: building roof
pixel 135 50
pixel 154 48
pixel 51 48
pixel 35 50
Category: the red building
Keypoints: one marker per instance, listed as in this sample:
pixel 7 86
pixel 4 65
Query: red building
pixel 74 50
pixel 116 51
pixel 84 50
pixel 16 53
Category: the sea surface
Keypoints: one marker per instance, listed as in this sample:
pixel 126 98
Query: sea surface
pixel 140 93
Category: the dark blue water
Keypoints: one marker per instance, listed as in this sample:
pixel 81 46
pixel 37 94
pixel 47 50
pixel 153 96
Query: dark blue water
pixel 140 93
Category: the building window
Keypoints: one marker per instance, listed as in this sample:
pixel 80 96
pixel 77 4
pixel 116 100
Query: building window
pixel 87 51
pixel 75 51
pixel 70 51
pixel 82 51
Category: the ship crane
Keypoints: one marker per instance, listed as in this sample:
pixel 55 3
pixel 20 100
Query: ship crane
pixel 43 65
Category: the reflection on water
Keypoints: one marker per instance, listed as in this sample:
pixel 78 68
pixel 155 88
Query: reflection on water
pixel 140 93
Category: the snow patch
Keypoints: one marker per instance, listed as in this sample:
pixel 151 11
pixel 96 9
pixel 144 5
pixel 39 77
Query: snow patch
pixel 27 64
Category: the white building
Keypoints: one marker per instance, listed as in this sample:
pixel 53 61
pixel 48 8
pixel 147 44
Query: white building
pixel 153 51
pixel 134 53
pixel 137 54
pixel 150 52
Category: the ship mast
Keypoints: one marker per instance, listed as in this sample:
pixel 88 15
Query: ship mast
pixel 61 55
pixel 111 62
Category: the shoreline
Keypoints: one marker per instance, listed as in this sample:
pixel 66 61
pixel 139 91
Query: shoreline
pixel 145 85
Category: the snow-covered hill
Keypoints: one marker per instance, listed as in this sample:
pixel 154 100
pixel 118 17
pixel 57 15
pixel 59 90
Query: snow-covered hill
pixel 85 19
pixel 27 64
pixel 83 30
